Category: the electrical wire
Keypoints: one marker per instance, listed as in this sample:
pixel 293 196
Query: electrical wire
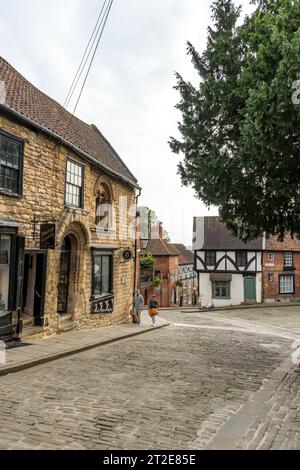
pixel 106 15
pixel 85 58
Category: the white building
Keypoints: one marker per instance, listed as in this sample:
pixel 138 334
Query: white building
pixel 229 270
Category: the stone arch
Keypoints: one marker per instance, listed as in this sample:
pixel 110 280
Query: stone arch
pixel 104 204
pixel 73 250
pixel 104 180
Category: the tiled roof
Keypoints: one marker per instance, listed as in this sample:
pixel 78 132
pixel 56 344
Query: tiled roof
pixel 159 247
pixel 288 244
pixel 25 99
pixel 217 237
pixel 185 256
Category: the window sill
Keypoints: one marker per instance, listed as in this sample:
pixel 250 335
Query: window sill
pixel 8 193
pixel 221 298
pixel 95 298
pixel 96 229
pixel 289 268
pixel 79 210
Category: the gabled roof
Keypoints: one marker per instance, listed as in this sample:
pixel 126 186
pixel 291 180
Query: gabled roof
pixel 159 247
pixel 30 103
pixel 212 234
pixel 185 256
pixel 288 244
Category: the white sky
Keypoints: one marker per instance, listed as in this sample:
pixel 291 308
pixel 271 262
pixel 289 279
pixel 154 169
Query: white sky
pixel 129 94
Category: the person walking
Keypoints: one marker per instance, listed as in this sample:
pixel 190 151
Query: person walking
pixel 153 309
pixel 138 306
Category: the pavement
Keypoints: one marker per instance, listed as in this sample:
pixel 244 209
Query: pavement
pixel 39 351
pixel 210 380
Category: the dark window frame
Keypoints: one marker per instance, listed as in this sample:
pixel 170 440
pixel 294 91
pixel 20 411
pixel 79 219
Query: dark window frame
pixel 102 252
pixel 240 262
pixel 81 197
pixel 279 286
pixel 209 255
pixel 17 140
pixel 228 290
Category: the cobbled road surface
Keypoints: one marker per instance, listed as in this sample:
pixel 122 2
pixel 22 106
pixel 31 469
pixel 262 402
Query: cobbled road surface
pixel 174 388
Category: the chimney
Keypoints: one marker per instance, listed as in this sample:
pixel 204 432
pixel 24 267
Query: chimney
pixel 160 230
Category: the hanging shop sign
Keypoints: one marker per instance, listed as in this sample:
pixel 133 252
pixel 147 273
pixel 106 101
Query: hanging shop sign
pixel 47 236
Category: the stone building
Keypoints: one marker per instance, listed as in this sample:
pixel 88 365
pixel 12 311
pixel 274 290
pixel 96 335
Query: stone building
pixel 67 217
pixel 281 269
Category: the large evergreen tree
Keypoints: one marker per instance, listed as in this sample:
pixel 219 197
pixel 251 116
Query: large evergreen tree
pixel 240 126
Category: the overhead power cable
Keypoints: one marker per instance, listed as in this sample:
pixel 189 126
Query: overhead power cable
pixel 106 15
pixel 85 57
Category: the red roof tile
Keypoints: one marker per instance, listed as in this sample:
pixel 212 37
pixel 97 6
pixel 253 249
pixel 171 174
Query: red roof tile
pixel 288 244
pixel 25 99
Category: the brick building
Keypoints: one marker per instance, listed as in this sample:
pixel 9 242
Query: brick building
pixel 281 269
pixel 165 267
pixel 67 213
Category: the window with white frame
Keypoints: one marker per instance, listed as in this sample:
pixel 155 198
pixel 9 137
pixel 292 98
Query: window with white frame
pixel 286 284
pixel 270 277
pixel 271 256
pixel 288 258
pixel 74 184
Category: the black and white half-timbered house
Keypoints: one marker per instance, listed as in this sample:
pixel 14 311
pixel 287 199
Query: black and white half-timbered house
pixel 229 270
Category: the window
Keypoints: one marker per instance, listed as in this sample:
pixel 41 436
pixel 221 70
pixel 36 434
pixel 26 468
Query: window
pixel 74 184
pixel 286 284
pixel 270 277
pixel 210 258
pixel 104 208
pixel 288 258
pixel 241 258
pixel 102 273
pixel 5 249
pixel 271 256
pixel 11 157
pixel 221 290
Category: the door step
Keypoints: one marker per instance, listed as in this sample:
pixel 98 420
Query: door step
pixel 68 326
pixel 32 332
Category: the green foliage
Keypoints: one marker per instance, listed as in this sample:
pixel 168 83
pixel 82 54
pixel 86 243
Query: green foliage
pixel 240 127
pixel 149 219
pixel 157 281
pixel 146 262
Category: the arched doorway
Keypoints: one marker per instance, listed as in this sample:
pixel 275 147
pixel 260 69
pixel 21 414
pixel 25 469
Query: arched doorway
pixel 67 247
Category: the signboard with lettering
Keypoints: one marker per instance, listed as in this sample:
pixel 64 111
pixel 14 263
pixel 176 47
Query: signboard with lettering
pixel 47 236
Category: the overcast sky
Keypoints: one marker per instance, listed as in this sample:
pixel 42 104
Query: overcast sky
pixel 129 94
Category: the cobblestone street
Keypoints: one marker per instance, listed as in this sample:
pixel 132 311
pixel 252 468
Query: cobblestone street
pixel 179 387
